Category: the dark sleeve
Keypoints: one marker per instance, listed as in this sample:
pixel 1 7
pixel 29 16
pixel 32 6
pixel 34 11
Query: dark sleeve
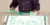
pixel 37 5
pixel 14 4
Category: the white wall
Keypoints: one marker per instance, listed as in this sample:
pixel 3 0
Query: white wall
pixel 45 5
pixel 4 5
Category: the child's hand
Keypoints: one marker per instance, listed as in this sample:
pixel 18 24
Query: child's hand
pixel 12 10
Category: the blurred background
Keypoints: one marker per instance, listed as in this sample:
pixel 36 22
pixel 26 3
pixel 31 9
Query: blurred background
pixel 4 9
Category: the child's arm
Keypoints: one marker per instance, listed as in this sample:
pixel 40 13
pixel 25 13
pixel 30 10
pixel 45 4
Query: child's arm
pixel 14 4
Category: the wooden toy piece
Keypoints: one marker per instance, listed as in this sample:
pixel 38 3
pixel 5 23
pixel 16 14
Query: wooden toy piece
pixel 13 10
pixel 20 13
pixel 32 14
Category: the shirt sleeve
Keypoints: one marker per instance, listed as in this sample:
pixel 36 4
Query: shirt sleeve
pixel 14 3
